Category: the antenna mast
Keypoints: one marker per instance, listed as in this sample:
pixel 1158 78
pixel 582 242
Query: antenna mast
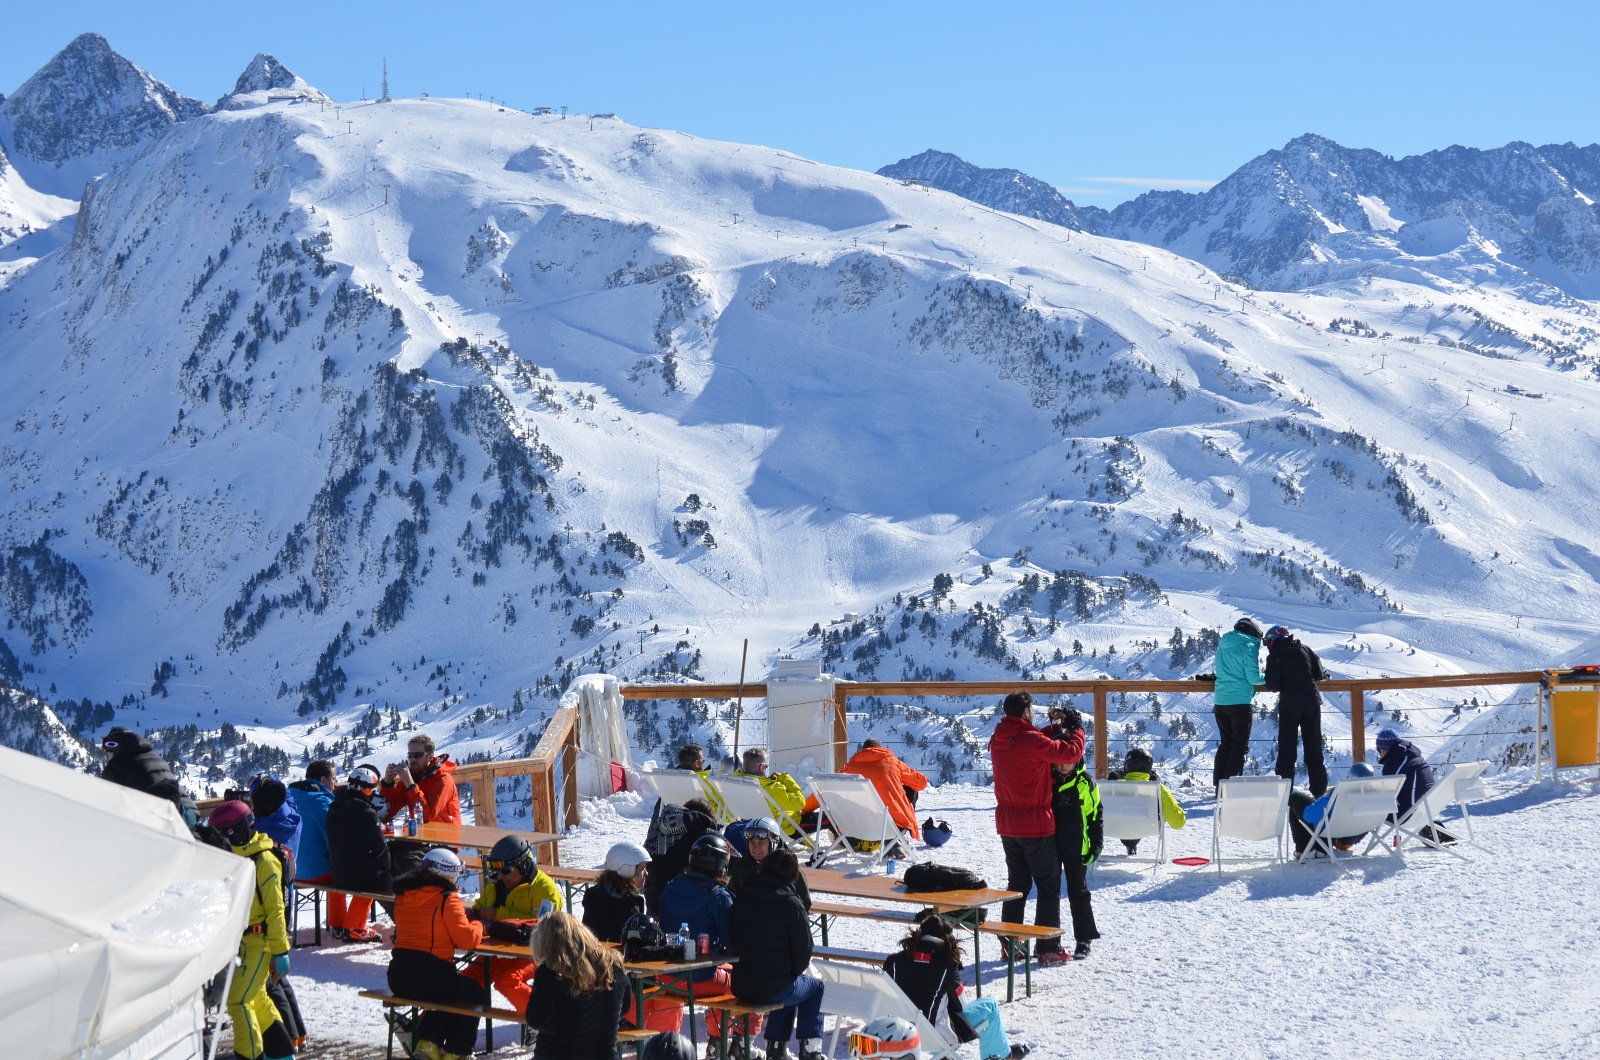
pixel 385 97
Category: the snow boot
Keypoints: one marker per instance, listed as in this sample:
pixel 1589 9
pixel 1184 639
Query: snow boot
pixel 811 1049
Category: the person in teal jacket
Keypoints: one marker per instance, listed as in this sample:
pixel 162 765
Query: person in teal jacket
pixel 1238 670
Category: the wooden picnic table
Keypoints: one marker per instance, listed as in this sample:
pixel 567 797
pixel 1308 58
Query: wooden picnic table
pixel 964 907
pixel 444 833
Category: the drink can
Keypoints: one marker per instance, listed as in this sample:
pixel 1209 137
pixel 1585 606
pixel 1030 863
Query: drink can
pixel 411 826
pixel 890 866
pixel 704 946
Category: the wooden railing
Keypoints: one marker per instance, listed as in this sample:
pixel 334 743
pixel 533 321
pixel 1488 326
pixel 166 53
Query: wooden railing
pixel 1100 691
pixel 552 772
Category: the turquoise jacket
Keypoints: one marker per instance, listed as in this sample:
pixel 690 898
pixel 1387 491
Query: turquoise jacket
pixel 1238 669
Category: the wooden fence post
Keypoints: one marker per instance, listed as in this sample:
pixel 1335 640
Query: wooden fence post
pixel 1358 725
pixel 1100 752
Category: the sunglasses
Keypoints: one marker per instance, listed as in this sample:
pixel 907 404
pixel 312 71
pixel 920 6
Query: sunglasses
pixel 495 869
pixel 416 754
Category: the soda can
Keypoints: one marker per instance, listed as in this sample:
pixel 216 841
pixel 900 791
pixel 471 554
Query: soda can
pixel 704 944
pixel 890 866
pixel 411 826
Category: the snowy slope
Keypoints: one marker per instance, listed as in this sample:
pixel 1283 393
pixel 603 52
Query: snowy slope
pixel 428 407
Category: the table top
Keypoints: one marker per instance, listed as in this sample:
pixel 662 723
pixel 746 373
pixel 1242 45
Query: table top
pixel 883 888
pixel 469 835
pixel 496 948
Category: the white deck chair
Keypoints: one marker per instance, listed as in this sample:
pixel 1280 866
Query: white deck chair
pixel 679 786
pixel 745 799
pixel 1131 809
pixel 1250 808
pixel 854 810
pixel 1456 784
pixel 1357 807
pixel 855 992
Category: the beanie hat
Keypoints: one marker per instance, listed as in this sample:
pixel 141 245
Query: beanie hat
pixel 1387 738
pixel 1277 633
pixel 1248 626
pixel 120 739
pixel 267 794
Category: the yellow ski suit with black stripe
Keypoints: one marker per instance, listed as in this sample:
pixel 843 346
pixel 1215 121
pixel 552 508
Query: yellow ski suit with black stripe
pixel 267 935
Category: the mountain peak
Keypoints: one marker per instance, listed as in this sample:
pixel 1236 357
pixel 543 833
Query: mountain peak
pixel 1010 190
pixel 265 79
pixel 87 104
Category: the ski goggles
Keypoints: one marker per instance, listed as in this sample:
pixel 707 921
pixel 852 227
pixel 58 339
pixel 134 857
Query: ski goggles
pixel 862 1044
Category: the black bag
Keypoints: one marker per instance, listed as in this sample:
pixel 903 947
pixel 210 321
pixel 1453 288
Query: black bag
pixel 667 826
pixel 517 931
pixel 930 876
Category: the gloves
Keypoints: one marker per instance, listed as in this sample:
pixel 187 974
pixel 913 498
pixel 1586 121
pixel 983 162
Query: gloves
pixel 1071 718
pixel 1092 856
pixel 280 965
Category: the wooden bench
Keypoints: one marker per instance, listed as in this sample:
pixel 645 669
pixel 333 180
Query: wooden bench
pixel 571 878
pixel 636 1037
pixel 1019 938
pixel 487 1013
pixel 821 911
pixel 732 1008
pixel 313 895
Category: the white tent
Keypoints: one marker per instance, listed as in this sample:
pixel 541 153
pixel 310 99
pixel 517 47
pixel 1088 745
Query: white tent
pixel 112 918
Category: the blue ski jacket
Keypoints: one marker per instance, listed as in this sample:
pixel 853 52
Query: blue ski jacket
pixel 1238 669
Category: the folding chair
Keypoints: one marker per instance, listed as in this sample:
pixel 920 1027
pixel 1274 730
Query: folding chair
pixel 855 811
pixel 853 992
pixel 1131 809
pixel 1423 822
pixel 1357 807
pixel 1250 808
pixel 680 785
pixel 746 798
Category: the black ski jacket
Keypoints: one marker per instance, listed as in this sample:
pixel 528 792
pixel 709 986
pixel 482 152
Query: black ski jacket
pixel 1293 671
pixel 771 937
pixel 356 846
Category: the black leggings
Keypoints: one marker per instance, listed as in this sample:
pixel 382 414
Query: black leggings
pixel 421 976
pixel 1233 740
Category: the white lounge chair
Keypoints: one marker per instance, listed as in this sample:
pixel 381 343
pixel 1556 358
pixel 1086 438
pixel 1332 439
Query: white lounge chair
pixel 855 811
pixel 746 798
pixel 1362 806
pixel 855 993
pixel 679 786
pixel 1131 809
pixel 1456 783
pixel 1250 808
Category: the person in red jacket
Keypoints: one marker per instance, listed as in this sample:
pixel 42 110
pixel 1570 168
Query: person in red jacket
pixel 1021 757
pixel 896 783
pixel 423 783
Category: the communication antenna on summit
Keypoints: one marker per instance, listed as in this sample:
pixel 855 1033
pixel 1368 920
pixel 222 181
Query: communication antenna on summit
pixel 385 97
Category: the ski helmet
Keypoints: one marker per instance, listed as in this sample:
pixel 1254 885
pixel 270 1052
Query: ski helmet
pixel 234 820
pixel 709 854
pixel 363 777
pixel 442 861
pixel 886 1036
pixel 624 859
pixel 1361 771
pixel 668 1045
pixel 764 828
pixel 1137 760
pixel 510 853
pixel 641 934
pixel 1277 633
pixel 1249 627
pixel 936 833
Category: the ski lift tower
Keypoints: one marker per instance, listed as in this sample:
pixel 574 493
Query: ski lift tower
pixel 385 97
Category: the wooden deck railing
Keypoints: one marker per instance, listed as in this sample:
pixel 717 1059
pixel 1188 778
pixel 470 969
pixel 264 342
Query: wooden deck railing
pixel 552 772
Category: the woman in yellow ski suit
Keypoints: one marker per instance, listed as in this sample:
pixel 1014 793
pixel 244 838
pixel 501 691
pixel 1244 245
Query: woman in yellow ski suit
pixel 264 950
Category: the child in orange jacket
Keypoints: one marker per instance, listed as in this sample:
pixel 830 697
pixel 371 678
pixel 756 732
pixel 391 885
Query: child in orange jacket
pixel 430 926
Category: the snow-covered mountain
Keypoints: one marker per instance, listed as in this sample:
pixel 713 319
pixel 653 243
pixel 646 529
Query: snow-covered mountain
pixel 1315 213
pixel 326 424
pixel 264 80
pixel 1010 190
pixel 85 110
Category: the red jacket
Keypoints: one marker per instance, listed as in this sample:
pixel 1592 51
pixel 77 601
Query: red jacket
pixel 1021 756
pixel 434 795
pixel 891 777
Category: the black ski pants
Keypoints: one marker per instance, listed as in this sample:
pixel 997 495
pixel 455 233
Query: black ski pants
pixel 1302 725
pixel 1032 865
pixel 1233 740
pixel 421 976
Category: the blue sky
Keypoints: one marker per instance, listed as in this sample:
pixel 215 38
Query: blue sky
pixel 1103 100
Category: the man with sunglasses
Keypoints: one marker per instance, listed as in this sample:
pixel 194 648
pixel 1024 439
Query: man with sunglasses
pixel 424 783
pixel 514 889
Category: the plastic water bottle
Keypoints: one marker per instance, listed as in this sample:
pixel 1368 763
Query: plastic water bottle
pixel 687 940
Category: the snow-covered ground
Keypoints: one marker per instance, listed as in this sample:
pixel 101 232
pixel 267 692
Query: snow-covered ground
pixel 1495 956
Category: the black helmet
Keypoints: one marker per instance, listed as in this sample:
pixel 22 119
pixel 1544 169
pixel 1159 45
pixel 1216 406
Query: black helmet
pixel 1138 760
pixel 641 934
pixel 668 1045
pixel 710 855
pixel 510 852
pixel 1249 627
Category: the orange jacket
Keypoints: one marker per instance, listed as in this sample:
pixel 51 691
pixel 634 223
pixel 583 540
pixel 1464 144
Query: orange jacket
pixel 434 795
pixel 429 916
pixel 891 777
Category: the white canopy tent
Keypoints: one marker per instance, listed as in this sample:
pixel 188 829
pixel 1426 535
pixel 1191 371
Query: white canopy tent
pixel 112 918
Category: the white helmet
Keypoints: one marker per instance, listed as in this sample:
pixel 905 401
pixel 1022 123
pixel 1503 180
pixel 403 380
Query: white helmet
pixel 442 861
pixel 886 1036
pixel 624 859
